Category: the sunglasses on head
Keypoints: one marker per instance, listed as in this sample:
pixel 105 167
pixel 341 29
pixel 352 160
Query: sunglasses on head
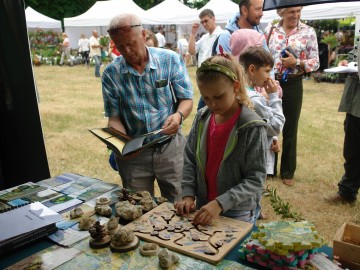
pixel 122 29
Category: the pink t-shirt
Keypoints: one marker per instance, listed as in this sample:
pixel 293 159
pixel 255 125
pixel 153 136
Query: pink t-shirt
pixel 217 137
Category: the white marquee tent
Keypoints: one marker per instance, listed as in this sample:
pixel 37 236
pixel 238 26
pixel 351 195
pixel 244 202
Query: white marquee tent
pixel 335 10
pixel 169 12
pixel 35 20
pixel 172 12
pixel 223 9
pixel 98 18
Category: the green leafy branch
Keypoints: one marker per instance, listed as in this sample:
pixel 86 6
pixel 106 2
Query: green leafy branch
pixel 281 208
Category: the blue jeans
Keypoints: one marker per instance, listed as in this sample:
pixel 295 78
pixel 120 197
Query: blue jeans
pixel 97 59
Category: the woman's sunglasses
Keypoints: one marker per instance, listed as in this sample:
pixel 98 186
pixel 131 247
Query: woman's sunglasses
pixel 122 29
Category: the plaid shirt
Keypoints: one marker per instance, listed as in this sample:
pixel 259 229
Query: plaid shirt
pixel 144 101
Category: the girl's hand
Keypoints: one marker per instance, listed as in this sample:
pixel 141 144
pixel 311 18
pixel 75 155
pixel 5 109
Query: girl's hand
pixel 207 213
pixel 185 206
pixel 270 86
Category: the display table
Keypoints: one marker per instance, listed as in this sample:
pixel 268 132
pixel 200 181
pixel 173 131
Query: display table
pixel 104 259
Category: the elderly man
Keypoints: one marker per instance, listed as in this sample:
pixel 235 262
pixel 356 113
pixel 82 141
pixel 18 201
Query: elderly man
pixel 248 17
pixel 138 99
pixel 95 51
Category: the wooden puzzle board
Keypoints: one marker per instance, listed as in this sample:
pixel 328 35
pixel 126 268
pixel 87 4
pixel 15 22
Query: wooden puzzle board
pixel 209 243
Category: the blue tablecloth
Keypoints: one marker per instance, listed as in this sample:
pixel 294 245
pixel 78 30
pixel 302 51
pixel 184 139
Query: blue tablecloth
pixel 39 245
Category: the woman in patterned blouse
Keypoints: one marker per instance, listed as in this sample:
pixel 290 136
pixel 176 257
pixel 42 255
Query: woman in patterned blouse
pixel 301 55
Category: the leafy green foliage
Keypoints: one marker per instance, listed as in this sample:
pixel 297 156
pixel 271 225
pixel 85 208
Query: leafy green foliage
pixel 281 208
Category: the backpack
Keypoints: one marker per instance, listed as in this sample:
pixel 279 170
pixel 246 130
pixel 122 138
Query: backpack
pixel 213 51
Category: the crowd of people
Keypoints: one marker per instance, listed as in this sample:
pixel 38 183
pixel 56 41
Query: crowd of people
pixel 251 88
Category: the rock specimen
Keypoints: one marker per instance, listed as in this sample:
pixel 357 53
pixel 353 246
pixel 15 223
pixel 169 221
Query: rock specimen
pixel 161 200
pixel 99 235
pixel 85 223
pixel 124 240
pixel 103 210
pixel 167 258
pixel 149 249
pixel 125 196
pixel 147 201
pixel 103 201
pixel 75 213
pixel 113 225
pixel 128 211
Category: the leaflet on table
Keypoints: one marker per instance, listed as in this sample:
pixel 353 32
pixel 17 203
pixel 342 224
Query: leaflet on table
pixel 113 195
pixel 59 180
pixel 34 197
pixel 49 258
pixel 62 203
pixel 94 191
pixel 20 191
pixel 77 185
pixel 69 236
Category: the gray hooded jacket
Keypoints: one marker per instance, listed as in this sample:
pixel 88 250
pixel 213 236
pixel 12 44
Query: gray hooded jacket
pixel 242 171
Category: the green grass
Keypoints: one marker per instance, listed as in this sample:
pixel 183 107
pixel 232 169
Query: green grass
pixel 71 103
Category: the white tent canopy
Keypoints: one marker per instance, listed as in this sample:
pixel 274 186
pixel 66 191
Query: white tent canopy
pixel 35 20
pixel 223 9
pixel 170 12
pixel 98 18
pixel 335 10
pixel 330 11
pixel 101 13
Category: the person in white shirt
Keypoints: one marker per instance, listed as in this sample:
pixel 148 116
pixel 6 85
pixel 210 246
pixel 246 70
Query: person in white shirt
pixel 95 51
pixel 84 47
pixel 161 39
pixel 203 47
pixel 182 46
pixel 66 50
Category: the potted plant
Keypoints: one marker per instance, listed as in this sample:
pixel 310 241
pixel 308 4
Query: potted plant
pixel 346 23
pixel 331 40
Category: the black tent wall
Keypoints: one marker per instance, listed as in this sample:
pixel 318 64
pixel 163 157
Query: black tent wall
pixel 22 150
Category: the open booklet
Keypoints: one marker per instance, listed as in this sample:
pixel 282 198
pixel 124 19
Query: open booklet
pixel 350 68
pixel 123 145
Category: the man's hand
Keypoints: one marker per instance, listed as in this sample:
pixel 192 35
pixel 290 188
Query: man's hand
pixel 343 63
pixel 195 28
pixel 207 213
pixel 172 124
pixel 185 206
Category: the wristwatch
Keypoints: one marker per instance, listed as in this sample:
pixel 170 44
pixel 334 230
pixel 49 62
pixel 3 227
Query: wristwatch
pixel 182 116
pixel 298 62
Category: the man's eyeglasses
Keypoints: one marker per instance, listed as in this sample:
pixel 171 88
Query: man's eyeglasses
pixel 204 21
pixel 122 29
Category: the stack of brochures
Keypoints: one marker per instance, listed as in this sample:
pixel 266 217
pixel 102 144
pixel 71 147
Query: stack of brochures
pixel 26 224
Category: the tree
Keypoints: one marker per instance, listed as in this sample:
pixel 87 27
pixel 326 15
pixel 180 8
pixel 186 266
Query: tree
pixel 146 4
